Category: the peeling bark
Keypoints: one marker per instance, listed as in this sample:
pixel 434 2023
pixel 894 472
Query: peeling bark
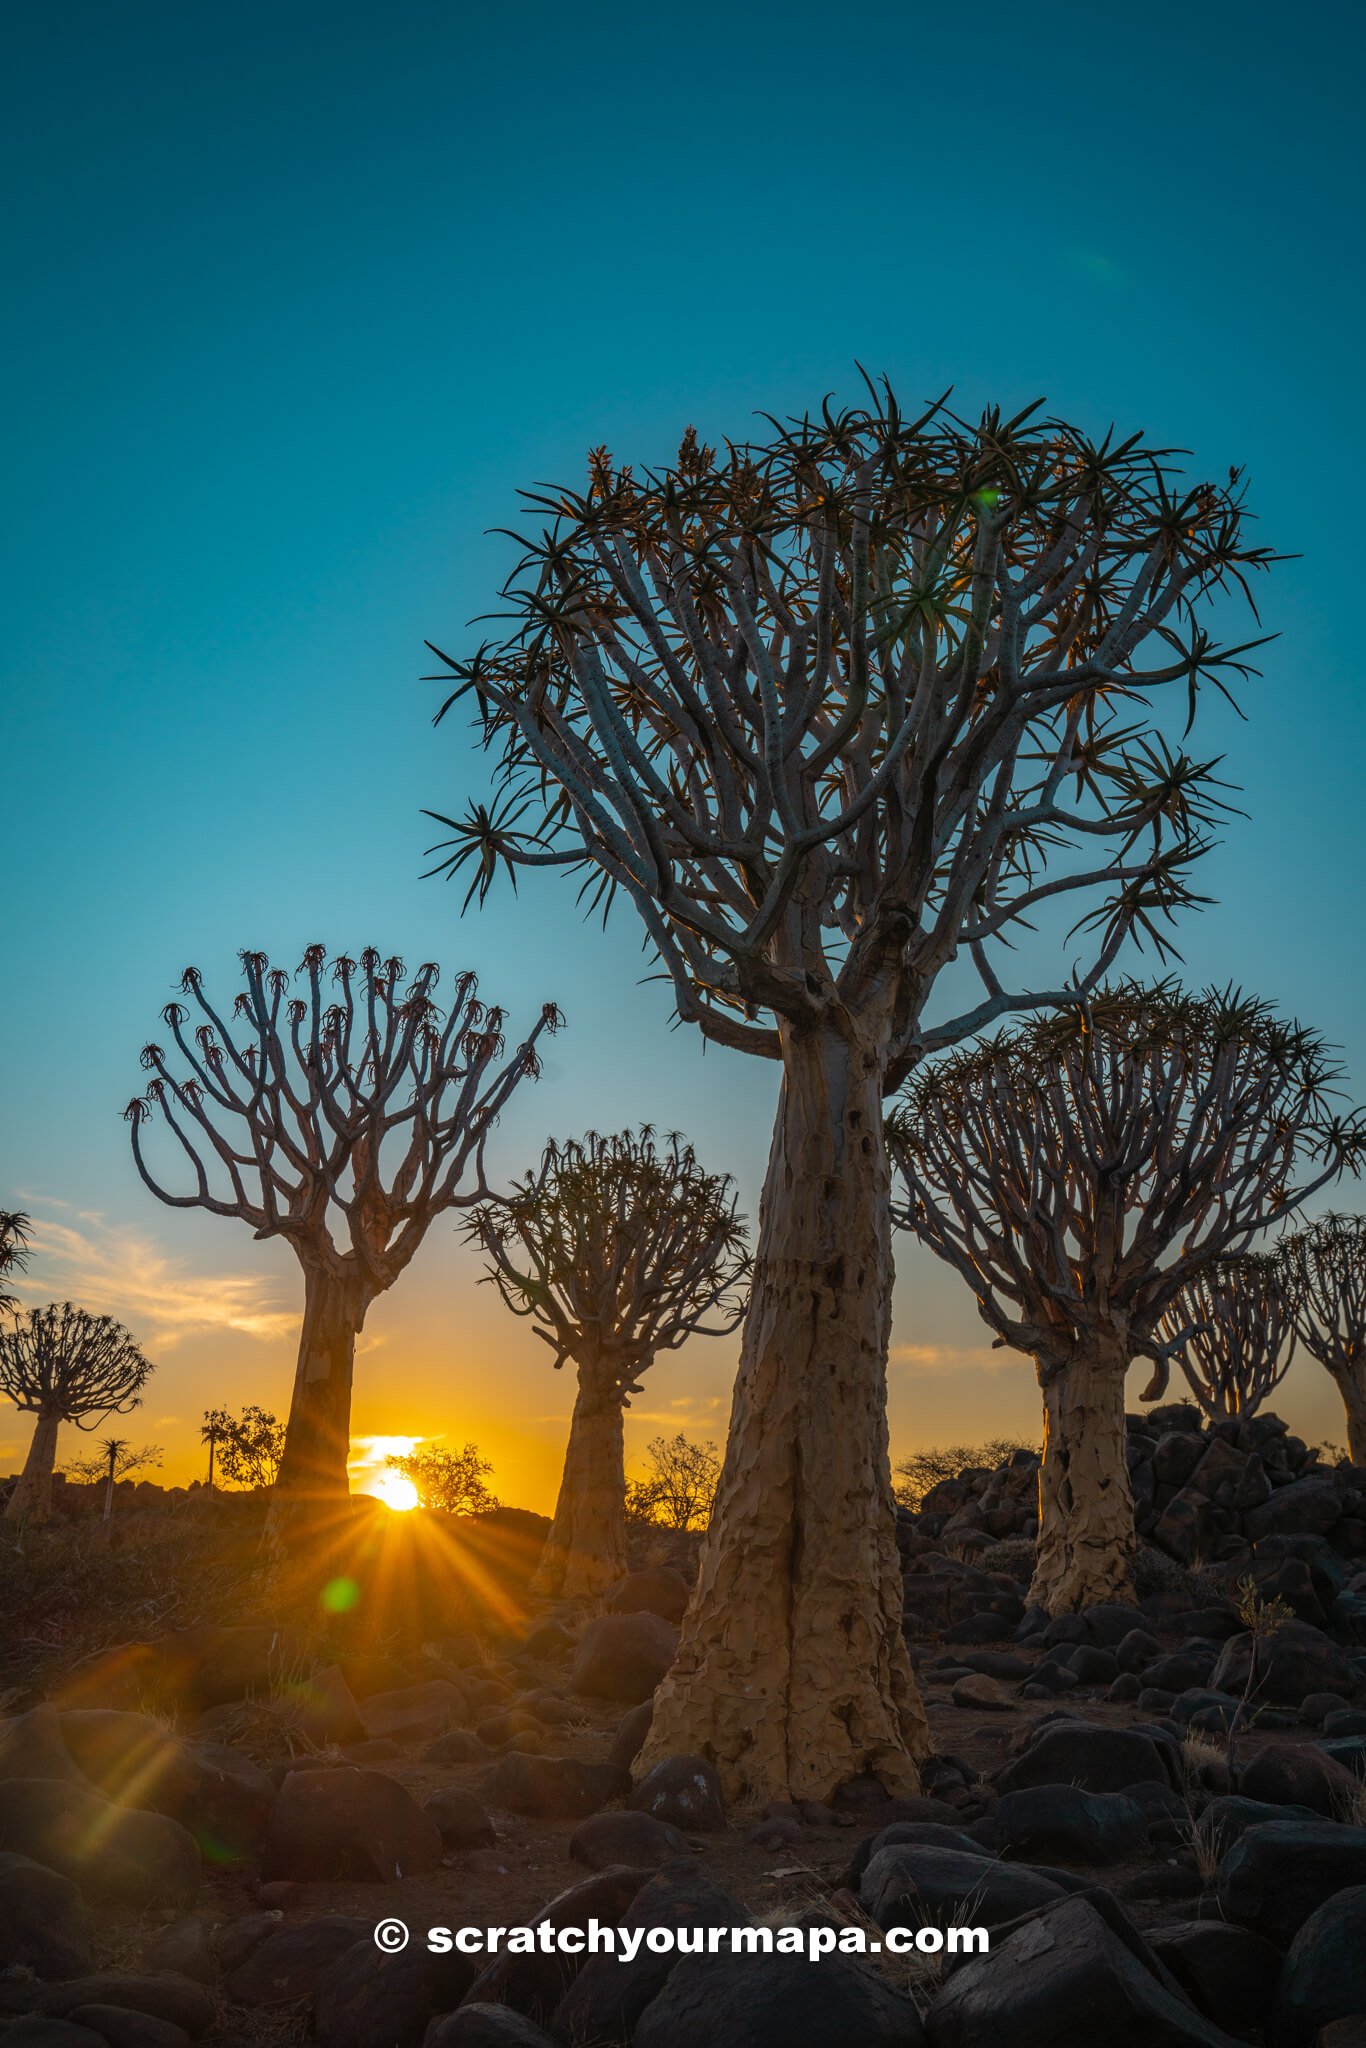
pixel 1351 1384
pixel 31 1499
pixel 1086 1511
pixel 792 1675
pixel 312 1480
pixel 585 1551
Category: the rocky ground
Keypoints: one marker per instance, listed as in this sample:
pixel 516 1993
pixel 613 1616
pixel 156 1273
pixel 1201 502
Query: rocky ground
pixel 199 1830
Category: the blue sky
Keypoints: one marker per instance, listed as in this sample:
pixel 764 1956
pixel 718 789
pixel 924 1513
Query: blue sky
pixel 301 295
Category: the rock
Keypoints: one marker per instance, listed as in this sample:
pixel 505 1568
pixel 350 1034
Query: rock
pixel 551 1787
pixel 1299 1774
pixel 119 2028
pixel 1065 1822
pixel 1324 1977
pixel 414 1713
pixel 348 1823
pixel 1228 1972
pixel 289 1964
pixel 111 1852
pixel 461 1819
pixel 43 1924
pixel 1307 1507
pixel 607 1997
pixel 535 1984
pixel 184 1948
pixel 548 1642
pixel 173 1999
pixel 1294 1661
pixel 907 1885
pixel 981 1693
pixel 486 2026
pixel 635 1838
pixel 457 1747
pixel 1078 1753
pixel 924 1833
pixel 189 1671
pixel 1275 1876
pixel 242 1937
pixel 323 1707
pixel 1183 1670
pixel 34 2032
pixel 1321 1707
pixel 1225 1821
pixel 369 1998
pixel 32 1747
pixel 217 1794
pixel 777 2001
pixel 623 1656
pixel 1066 1977
pixel 684 1790
pixel 632 1730
pixel 657 1591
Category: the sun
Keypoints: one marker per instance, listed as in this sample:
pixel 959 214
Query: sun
pixel 394 1490
pixel 370 1473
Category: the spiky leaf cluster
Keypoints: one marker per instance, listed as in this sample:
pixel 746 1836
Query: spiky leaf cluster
pixel 60 1360
pixel 1232 1330
pixel 1326 1265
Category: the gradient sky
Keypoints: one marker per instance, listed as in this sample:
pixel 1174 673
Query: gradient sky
pixel 300 295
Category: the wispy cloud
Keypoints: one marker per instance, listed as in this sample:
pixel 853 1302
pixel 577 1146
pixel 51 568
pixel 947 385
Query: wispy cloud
pixel 114 1270
pixel 930 1360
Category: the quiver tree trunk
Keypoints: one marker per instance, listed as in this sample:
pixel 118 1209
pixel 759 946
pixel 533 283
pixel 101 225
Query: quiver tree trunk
pixel 586 1549
pixel 792 1675
pixel 312 1482
pixel 1086 1511
pixel 1351 1384
pixel 31 1499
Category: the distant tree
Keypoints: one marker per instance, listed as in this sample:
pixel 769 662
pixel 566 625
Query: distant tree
pixel 1232 1329
pixel 247 1448
pixel 64 1365
pixel 344 1126
pixel 617 1248
pixel 679 1486
pixel 1077 1171
pixel 117 1459
pixel 831 710
pixel 452 1481
pixel 1326 1264
pixel 14 1252
pixel 926 1468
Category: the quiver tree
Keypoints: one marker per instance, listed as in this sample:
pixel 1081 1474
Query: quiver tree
pixel 62 1365
pixel 832 710
pixel 343 1123
pixel 617 1249
pixel 1077 1170
pixel 1326 1266
pixel 1232 1327
pixel 14 1252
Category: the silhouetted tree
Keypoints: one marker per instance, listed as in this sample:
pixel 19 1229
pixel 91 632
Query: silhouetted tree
pixel 343 1125
pixel 1232 1329
pixel 63 1365
pixel 618 1249
pixel 247 1448
pixel 679 1485
pixel 117 1459
pixel 833 710
pixel 14 1252
pixel 453 1481
pixel 1077 1171
pixel 1326 1265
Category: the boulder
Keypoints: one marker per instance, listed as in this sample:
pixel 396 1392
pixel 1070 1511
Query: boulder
pixel 486 2026
pixel 113 1853
pixel 607 1997
pixel 777 2001
pixel 348 1823
pixel 926 1834
pixel 288 1965
pixel 216 1793
pixel 535 1984
pixel 1324 1977
pixel 172 1999
pixel 370 1998
pixel 459 1746
pixel 656 1591
pixel 1307 1507
pixel 1067 1976
pixel 1299 1774
pixel 1275 1876
pixel 552 1787
pixel 323 1707
pixel 461 1819
pixel 1294 1661
pixel 684 1790
pixel 910 1885
pixel 1097 1759
pixel 634 1838
pixel 623 1656
pixel 1226 1820
pixel 118 2028
pixel 414 1713
pixel 1229 1973
pixel 43 1924
pixel 1063 1821
pixel 31 1746
pixel 183 1947
pixel 36 2032
pixel 981 1694
pixel 632 1730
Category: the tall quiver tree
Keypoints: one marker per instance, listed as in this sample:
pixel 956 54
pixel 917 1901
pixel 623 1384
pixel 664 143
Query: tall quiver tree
pixel 822 708
pixel 618 1249
pixel 1326 1265
pixel 1232 1328
pixel 61 1364
pixel 1077 1171
pixel 343 1123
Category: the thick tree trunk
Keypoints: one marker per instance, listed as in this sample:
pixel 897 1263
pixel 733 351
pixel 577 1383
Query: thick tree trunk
pixel 312 1483
pixel 1351 1382
pixel 1086 1511
pixel 31 1499
pixel 792 1675
pixel 586 1549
